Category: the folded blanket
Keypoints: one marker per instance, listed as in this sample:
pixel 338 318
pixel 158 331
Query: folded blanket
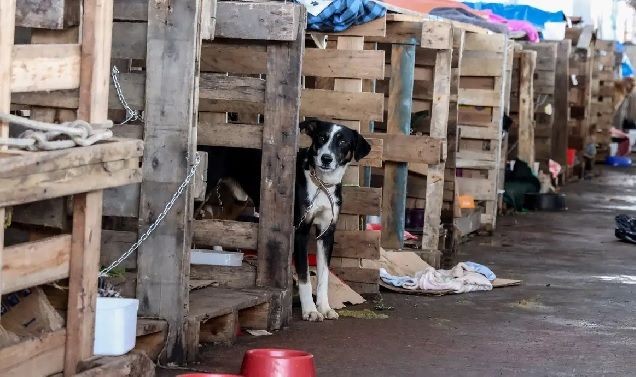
pixel 339 15
pixel 461 279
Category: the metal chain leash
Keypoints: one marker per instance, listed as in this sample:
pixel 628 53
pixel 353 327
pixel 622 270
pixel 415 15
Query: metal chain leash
pixel 155 224
pixel 131 115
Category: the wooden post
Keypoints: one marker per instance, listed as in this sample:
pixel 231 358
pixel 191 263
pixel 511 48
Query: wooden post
pixel 561 103
pixel 7 29
pixel 84 267
pixel 163 261
pixel 439 123
pixel 399 121
pixel 525 140
pixel 87 209
pixel 278 169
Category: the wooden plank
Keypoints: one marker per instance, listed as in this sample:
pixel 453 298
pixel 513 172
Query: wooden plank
pixel 37 68
pixel 222 56
pixel 42 356
pixel 263 21
pixel 130 10
pixel 357 275
pixel 217 86
pixel 475 64
pixel 52 14
pixel 81 183
pixel 357 244
pixel 409 148
pixel 361 200
pixel 43 162
pixel 437 35
pixel 360 64
pixel 171 67
pixel 341 105
pixel 525 139
pixel 375 28
pixel 225 233
pixel 559 137
pixel 398 122
pixel 479 97
pixel 278 168
pixel 84 267
pixel 129 40
pixel 230 134
pixel 224 276
pixel 435 177
pixel 479 188
pixel 484 42
pixel 34 263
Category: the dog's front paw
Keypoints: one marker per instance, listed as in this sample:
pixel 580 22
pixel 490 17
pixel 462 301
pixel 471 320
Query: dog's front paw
pixel 330 314
pixel 313 316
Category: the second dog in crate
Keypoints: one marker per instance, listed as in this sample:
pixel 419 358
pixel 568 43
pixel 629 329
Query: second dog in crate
pixel 319 172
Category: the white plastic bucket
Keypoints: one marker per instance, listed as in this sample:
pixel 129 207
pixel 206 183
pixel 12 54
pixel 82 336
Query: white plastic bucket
pixel 115 326
pixel 632 139
pixel 613 149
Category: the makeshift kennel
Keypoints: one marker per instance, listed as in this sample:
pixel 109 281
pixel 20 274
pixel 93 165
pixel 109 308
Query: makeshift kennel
pixel 73 70
pixel 603 76
pixel 580 95
pixel 406 82
pixel 544 102
pixel 521 136
pixel 481 108
pixel 169 74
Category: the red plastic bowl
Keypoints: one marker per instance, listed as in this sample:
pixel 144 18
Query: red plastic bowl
pixel 278 363
pixel 208 375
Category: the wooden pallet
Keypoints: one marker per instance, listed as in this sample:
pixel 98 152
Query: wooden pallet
pixel 83 172
pixel 481 100
pixel 521 137
pixel 602 107
pixel 217 314
pixel 580 88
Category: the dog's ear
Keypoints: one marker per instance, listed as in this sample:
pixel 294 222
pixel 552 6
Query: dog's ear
pixel 308 126
pixel 362 147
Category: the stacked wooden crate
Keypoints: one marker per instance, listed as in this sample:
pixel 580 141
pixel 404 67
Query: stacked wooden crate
pixel 46 343
pixel 580 94
pixel 603 94
pixel 544 84
pixel 222 67
pixel 481 109
pixel 337 88
pixel 521 136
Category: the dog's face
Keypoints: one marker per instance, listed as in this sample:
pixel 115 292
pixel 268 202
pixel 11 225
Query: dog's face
pixel 333 145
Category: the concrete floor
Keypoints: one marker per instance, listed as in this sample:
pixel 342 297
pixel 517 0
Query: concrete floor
pixel 574 315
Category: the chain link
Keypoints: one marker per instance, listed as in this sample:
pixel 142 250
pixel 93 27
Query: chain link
pixel 131 115
pixel 159 219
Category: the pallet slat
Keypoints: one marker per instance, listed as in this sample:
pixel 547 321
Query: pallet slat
pixel 37 68
pixel 34 263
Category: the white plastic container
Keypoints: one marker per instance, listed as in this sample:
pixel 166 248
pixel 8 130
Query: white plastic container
pixel 632 139
pixel 216 258
pixel 613 149
pixel 554 31
pixel 115 325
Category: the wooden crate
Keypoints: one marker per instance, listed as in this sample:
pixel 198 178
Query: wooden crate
pixel 339 86
pixel 580 86
pixel 481 109
pixel 225 57
pixel 544 100
pixel 602 107
pixel 521 136
pixel 80 65
pixel 407 81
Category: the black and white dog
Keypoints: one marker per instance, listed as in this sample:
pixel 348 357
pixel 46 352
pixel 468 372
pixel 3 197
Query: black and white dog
pixel 319 172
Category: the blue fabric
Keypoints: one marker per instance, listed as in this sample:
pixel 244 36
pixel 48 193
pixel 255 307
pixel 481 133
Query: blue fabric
pixel 528 13
pixel 482 270
pixel 342 14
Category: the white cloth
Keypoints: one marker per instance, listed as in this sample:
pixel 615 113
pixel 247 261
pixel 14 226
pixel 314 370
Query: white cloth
pixel 461 279
pixel 315 7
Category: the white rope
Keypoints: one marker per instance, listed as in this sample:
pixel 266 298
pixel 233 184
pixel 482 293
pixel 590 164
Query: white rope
pixel 49 136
